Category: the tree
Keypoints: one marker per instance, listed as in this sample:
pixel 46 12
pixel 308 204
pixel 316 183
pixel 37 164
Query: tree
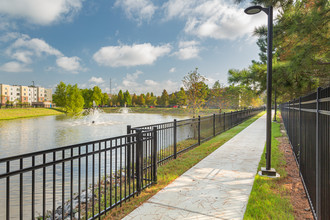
pixel 120 98
pixel 164 98
pixel 87 95
pixel 134 99
pixel 148 99
pixel 127 98
pixel 173 99
pixel 97 95
pixel 181 97
pixel 105 99
pixel 197 89
pixel 74 100
pixel 60 94
pixel 141 100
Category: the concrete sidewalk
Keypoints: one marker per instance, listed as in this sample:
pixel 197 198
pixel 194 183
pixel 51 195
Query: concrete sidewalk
pixel 218 187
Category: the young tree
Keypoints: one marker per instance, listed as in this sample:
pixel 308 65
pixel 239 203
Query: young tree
pixel 97 95
pixel 197 89
pixel 105 99
pixel 173 99
pixel 60 94
pixel 141 100
pixel 164 98
pixel 87 95
pixel 120 98
pixel 181 97
pixel 134 99
pixel 127 98
pixel 148 99
pixel 74 101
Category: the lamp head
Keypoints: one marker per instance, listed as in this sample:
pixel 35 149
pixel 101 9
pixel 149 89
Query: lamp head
pixel 253 10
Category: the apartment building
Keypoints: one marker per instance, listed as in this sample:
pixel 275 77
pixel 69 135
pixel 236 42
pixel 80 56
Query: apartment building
pixel 24 94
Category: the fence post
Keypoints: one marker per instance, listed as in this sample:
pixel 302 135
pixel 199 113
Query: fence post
pixel 139 168
pixel 128 159
pixel 174 137
pixel 318 158
pixel 213 124
pixel 231 119
pixel 199 130
pixel 154 155
pixel 299 148
pixel 224 121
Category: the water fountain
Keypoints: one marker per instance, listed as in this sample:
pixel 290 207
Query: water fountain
pixel 124 110
pixel 91 117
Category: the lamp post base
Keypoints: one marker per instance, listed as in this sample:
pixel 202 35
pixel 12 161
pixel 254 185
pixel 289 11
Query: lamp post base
pixel 269 173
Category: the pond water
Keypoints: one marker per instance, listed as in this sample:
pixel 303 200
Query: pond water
pixel 21 136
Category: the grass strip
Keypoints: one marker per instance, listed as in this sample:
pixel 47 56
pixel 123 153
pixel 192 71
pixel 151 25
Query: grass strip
pixel 269 199
pixel 8 114
pixel 175 168
pixel 166 111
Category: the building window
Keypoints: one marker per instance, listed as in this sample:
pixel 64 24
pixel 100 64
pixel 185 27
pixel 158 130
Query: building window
pixel 17 93
pixel 5 93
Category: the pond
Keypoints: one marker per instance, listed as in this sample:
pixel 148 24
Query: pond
pixel 21 136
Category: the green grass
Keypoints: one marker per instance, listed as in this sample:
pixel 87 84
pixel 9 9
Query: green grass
pixel 7 114
pixel 171 111
pixel 175 168
pixel 269 198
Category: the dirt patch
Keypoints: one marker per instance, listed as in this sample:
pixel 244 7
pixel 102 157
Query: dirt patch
pixel 293 182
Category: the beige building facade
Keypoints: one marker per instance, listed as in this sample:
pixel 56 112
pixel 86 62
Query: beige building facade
pixel 24 94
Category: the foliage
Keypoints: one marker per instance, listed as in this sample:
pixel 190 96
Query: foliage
pixel 120 98
pixel 301 54
pixel 74 101
pixel 181 97
pixel 127 98
pixel 164 99
pixel 194 83
pixel 60 95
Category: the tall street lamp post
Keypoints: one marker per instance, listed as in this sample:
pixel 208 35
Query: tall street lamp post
pixel 268 171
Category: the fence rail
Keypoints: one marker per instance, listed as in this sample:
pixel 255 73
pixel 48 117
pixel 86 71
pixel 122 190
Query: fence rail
pixel 307 122
pixel 85 181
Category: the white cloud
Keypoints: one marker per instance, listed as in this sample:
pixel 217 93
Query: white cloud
pixel 137 10
pixel 96 80
pixel 213 18
pixel 172 70
pixel 187 50
pixel 39 46
pixel 41 12
pixel 71 64
pixel 14 67
pixel 132 83
pixel 125 55
pixel 26 49
pixel 150 82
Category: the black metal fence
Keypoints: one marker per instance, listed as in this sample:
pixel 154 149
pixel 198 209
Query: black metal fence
pixel 177 137
pixel 307 122
pixel 85 181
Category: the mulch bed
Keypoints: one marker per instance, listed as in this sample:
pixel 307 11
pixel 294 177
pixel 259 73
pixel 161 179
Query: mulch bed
pixel 293 182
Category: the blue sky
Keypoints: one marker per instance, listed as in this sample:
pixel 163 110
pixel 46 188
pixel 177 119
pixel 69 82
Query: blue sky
pixel 142 45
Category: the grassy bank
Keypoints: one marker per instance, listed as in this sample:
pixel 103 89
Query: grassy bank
pixel 174 168
pixel 169 111
pixel 7 114
pixel 268 198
